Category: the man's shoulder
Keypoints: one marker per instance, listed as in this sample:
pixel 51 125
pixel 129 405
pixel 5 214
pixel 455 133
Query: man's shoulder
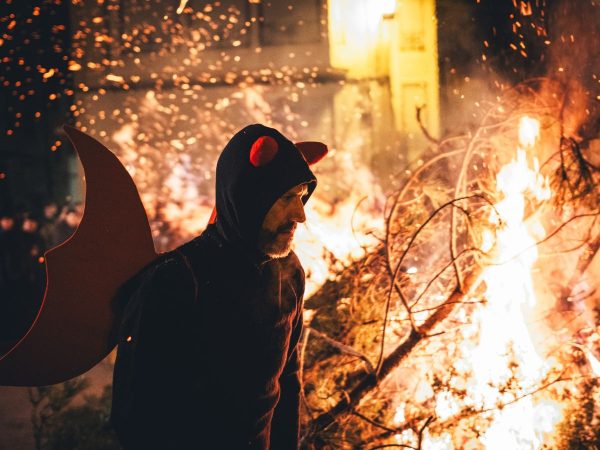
pixel 166 272
pixel 197 254
pixel 168 265
pixel 162 282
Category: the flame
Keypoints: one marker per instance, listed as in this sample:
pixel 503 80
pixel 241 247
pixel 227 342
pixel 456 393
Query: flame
pixel 339 230
pixel 594 363
pixel 441 442
pixel 399 415
pixel 505 350
pixel 529 131
pixel 504 338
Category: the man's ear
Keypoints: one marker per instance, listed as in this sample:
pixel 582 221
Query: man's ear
pixel 313 152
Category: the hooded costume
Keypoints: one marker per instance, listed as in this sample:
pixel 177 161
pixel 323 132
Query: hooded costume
pixel 208 346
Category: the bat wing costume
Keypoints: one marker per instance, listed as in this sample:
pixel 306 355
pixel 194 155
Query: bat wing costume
pixel 76 326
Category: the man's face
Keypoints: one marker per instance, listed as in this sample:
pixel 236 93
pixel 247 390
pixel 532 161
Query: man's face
pixel 279 225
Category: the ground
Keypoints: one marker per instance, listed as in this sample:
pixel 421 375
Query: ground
pixel 15 409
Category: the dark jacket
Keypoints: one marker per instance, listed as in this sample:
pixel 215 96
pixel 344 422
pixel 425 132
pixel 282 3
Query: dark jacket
pixel 208 353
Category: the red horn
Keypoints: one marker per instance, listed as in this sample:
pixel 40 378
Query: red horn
pixel 263 151
pixel 313 152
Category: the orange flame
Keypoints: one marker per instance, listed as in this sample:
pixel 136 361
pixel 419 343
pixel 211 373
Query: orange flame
pixel 504 337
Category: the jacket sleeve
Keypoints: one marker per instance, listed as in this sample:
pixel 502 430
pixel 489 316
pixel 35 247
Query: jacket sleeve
pixel 149 405
pixel 285 426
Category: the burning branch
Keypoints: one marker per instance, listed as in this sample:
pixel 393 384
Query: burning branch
pixel 394 273
pixel 392 361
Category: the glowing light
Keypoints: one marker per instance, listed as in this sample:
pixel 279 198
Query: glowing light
pixel 509 288
pixel 181 6
pixel 115 78
pixel 387 6
pixel 442 442
pixel 74 66
pixel 48 74
pixel 529 131
pixel 374 12
pixel 446 405
pixel 594 363
pixel 399 416
pixel 505 350
pixel 526 9
pixel 337 229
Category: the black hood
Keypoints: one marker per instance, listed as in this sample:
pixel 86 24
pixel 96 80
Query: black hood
pixel 245 193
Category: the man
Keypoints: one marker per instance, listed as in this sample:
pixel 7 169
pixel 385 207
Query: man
pixel 208 352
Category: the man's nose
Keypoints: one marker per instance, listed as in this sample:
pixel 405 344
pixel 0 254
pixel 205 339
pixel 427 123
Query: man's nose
pixel 297 212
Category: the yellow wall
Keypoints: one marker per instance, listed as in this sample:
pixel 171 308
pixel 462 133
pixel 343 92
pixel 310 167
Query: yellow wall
pixel 355 36
pixel 414 76
pixel 394 39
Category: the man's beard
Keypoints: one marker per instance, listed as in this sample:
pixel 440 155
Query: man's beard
pixel 277 244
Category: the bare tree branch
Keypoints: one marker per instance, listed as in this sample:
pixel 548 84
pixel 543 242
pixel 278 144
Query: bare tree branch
pixel 344 348
pixel 395 357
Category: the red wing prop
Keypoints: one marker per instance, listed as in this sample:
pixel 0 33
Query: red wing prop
pixel 76 326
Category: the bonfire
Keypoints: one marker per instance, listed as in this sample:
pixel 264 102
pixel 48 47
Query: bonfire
pixel 470 321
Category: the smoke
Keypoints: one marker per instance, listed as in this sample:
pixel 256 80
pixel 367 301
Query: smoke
pixel 487 47
pixel 572 59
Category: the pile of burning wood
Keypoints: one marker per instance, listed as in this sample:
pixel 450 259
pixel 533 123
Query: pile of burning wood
pixel 474 322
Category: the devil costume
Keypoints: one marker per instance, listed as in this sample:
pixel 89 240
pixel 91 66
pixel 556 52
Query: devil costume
pixel 208 347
